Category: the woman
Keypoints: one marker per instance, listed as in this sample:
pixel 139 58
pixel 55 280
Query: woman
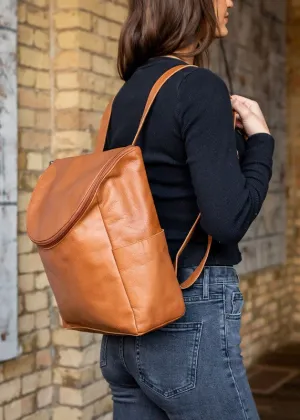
pixel 191 369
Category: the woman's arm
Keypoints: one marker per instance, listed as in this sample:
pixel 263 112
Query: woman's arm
pixel 229 194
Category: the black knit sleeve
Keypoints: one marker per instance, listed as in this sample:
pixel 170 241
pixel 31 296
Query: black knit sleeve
pixel 229 193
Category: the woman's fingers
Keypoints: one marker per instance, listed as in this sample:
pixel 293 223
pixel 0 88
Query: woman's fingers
pixel 249 115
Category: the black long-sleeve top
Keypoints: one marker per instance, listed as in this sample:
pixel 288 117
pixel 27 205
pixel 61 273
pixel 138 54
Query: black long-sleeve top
pixel 190 148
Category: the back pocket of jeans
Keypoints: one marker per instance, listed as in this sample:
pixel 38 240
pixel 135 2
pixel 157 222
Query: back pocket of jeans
pixel 167 358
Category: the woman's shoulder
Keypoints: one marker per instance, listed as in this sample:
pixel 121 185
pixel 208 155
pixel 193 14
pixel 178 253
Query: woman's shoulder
pixel 195 79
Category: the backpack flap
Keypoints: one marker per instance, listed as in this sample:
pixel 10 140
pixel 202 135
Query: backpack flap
pixel 63 193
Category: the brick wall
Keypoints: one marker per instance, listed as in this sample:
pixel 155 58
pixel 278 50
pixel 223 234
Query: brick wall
pixel 293 106
pixel 67 74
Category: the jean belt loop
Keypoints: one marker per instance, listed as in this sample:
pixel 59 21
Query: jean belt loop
pixel 206 283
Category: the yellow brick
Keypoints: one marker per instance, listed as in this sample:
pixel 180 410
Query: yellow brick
pixel 20 305
pixel 90 355
pixel 26 283
pixel 85 20
pixel 114 30
pixel 67 4
pixel 66 338
pixel 42 319
pixel 67 80
pixel 67 99
pixel 43 81
pixel 36 140
pixel 91 42
pixel 42 122
pixel 26 77
pixel 36 301
pixel 89 120
pixel 91 82
pixel 33 58
pixel 26 118
pixel 30 383
pixel 115 12
pixel 113 86
pixel 43 338
pixel 22 160
pixel 38 18
pixel 101 26
pixel 95 391
pixel 36 380
pixel 19 367
pixel 111 48
pixel 30 263
pixel 72 19
pixel 44 397
pixel 25 35
pixel 45 378
pixel 70 357
pixel 31 99
pixel 28 404
pixel 71 140
pixel 100 102
pixel 70 397
pixel 104 405
pixel 41 40
pixel 104 66
pixel 41 281
pixel 96 7
pixel 23 200
pixel 34 161
pixel 24 244
pixel 22 12
pixel 13 410
pixel 39 3
pixel 85 100
pixel 88 412
pixel 67 60
pixel 68 119
pixel 62 413
pixel 68 40
pixel 26 323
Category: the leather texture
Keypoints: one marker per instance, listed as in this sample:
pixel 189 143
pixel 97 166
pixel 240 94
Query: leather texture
pixel 105 254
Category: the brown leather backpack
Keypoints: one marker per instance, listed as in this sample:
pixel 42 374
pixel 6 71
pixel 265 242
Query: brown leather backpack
pixel 105 254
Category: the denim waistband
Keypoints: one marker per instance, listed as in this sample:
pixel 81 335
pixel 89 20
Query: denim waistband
pixel 215 274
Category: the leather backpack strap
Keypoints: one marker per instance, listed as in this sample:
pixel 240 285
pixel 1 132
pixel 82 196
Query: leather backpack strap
pixel 194 276
pixel 153 93
pixel 104 127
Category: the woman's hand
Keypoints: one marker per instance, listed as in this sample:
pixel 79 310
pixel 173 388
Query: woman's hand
pixel 250 117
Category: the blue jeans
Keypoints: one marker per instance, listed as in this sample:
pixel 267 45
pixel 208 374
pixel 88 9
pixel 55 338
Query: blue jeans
pixel 191 369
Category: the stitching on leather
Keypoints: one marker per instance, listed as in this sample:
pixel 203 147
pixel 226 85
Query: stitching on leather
pixel 133 314
pixel 142 240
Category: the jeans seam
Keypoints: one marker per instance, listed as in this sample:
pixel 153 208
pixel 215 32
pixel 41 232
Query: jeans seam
pixel 121 353
pixel 228 359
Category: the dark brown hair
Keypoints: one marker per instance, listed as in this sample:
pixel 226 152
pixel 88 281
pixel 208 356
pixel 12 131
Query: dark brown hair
pixel 162 27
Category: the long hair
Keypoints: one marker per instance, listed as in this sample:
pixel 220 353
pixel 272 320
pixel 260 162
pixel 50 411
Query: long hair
pixel 161 27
